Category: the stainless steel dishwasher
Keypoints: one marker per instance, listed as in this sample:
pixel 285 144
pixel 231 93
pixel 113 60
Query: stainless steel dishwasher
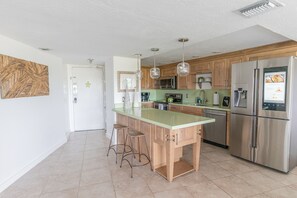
pixel 215 133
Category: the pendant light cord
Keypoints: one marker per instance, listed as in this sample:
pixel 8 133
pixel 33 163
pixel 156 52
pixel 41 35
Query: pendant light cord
pixel 183 51
pixel 154 60
pixel 138 61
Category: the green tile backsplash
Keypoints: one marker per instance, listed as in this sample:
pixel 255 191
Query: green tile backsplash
pixel 189 96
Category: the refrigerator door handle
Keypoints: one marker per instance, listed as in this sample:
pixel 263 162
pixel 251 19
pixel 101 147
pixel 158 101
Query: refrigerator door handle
pixel 256 91
pixel 254 133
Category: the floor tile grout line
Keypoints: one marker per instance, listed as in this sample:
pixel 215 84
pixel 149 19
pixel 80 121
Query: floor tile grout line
pixel 220 188
pixel 48 177
pixel 81 170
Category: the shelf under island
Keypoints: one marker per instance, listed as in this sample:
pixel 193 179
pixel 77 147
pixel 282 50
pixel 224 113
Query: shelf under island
pixel 166 133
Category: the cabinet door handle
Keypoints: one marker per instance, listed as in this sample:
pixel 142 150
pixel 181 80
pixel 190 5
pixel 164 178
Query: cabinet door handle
pixel 176 138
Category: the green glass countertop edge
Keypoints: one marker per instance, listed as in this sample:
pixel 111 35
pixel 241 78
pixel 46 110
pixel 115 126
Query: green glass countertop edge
pixel 202 106
pixel 171 127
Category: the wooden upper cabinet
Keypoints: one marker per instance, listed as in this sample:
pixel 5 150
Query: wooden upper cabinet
pixel 168 71
pixel 147 82
pixel 231 61
pixel 219 74
pixel 186 82
pixel 202 68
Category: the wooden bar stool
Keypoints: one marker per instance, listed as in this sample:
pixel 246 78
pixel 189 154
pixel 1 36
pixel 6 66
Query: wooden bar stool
pixel 115 147
pixel 136 135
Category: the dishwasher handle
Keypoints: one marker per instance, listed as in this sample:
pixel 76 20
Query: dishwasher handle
pixel 215 112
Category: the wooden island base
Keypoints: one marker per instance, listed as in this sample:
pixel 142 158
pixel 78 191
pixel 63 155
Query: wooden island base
pixel 166 146
pixel 179 168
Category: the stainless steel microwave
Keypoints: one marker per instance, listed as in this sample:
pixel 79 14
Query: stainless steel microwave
pixel 167 83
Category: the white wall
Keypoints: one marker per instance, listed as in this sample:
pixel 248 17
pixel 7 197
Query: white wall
pixel 112 66
pixel 31 127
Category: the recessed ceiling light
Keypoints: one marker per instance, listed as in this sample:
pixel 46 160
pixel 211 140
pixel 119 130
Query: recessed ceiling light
pixel 45 49
pixel 259 7
pixel 216 52
pixel 195 56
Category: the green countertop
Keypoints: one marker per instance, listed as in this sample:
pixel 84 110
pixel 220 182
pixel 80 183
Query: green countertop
pixel 167 119
pixel 202 106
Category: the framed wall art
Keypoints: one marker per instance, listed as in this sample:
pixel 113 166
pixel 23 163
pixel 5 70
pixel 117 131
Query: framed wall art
pixel 21 78
pixel 126 79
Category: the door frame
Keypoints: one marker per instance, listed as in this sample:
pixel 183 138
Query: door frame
pixel 70 96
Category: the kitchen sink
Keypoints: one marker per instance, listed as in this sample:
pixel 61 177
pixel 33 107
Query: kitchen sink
pixel 198 104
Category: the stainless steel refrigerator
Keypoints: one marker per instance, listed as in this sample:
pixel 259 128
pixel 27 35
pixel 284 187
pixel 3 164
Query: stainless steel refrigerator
pixel 264 112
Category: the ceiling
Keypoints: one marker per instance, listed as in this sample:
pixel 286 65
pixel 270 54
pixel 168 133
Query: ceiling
pixel 76 30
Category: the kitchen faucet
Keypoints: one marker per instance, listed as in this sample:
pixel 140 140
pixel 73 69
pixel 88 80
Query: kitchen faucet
pixel 202 97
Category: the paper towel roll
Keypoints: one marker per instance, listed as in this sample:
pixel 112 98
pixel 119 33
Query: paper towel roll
pixel 216 99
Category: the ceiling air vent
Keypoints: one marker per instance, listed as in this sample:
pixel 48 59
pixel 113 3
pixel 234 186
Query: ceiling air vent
pixel 259 7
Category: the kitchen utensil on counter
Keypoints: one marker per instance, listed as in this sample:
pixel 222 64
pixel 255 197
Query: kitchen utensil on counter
pixel 145 96
pixel 226 101
pixel 216 99
pixel 170 100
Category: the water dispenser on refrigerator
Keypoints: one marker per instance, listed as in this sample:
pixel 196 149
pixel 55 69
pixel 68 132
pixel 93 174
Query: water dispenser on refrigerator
pixel 240 98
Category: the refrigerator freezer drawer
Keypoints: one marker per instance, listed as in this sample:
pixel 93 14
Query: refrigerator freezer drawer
pixel 241 136
pixel 273 143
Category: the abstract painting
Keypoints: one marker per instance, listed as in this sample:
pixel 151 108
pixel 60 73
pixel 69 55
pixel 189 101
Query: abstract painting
pixel 21 78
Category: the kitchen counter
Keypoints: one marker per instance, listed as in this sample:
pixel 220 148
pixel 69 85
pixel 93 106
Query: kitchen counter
pixel 202 106
pixel 167 119
pixel 166 134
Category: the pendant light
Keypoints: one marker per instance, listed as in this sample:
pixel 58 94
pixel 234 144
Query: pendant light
pixel 155 72
pixel 183 68
pixel 138 72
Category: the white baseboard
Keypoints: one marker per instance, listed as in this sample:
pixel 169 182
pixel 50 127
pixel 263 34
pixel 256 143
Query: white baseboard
pixel 29 166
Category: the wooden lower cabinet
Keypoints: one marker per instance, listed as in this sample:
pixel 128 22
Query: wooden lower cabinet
pixel 192 110
pixel 228 128
pixel 176 108
pixel 147 104
pixel 186 109
pixel 199 112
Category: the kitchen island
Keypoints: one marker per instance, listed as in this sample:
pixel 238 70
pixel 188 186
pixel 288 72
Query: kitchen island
pixel 166 134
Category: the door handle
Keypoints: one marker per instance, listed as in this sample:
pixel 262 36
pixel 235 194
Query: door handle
pixel 75 100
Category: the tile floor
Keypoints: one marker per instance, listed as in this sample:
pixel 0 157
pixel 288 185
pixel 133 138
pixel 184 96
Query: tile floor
pixel 80 169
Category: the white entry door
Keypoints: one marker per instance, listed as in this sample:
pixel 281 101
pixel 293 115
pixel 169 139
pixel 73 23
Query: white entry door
pixel 88 98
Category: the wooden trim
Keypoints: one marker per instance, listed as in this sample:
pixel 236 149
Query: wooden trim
pixel 275 48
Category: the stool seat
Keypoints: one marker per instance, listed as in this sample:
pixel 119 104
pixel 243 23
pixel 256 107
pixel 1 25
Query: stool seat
pixel 119 126
pixel 134 133
pixel 115 147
